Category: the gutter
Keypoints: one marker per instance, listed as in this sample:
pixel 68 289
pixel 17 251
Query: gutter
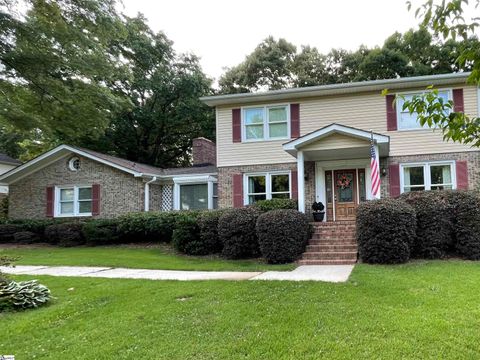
pixel 147 193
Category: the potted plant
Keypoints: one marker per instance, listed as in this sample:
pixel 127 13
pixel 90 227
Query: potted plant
pixel 318 211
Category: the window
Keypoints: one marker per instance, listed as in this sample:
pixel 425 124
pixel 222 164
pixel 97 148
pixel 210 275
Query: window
pixel 268 122
pixel 409 121
pixel 215 195
pixel 194 197
pixel 74 201
pixel 427 176
pixel 267 186
pixel 74 164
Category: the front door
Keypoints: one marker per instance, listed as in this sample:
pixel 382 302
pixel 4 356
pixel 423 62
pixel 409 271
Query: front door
pixel 345 194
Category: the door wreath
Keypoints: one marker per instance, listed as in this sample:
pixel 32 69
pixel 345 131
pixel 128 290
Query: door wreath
pixel 343 182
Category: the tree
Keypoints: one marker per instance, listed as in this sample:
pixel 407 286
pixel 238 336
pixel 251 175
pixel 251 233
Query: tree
pixel 56 61
pixel 446 20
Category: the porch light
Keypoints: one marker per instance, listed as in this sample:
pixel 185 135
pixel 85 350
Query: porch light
pixel 384 171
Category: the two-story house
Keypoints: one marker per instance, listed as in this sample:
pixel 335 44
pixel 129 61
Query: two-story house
pixel 310 144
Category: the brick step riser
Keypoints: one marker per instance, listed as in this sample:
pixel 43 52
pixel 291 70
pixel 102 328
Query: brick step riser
pixel 329 256
pixel 327 262
pixel 331 243
pixel 334 238
pixel 336 247
pixel 318 229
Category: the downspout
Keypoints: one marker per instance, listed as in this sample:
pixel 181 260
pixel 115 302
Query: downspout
pixel 147 193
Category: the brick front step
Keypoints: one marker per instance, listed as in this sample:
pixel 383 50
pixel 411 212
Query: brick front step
pixel 333 237
pixel 333 255
pixel 331 247
pixel 332 242
pixel 326 262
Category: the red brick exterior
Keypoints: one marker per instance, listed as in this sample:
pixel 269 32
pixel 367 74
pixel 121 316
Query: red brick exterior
pixel 204 152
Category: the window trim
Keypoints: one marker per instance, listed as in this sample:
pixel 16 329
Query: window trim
pixel 268 184
pixel 193 180
pixel 426 173
pixel 76 201
pixel 398 108
pixel 266 128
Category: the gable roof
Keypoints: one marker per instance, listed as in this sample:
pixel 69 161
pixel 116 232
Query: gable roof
pixel 5 159
pixel 337 89
pixel 131 167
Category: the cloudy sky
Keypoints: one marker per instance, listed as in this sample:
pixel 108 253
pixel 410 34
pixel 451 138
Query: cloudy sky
pixel 223 32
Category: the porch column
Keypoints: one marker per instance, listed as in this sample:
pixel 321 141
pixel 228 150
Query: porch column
pixel 379 174
pixel 301 181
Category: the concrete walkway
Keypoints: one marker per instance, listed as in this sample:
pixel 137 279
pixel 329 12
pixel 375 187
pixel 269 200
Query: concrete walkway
pixel 328 273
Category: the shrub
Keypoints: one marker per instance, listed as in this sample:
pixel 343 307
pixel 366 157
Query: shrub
pixel 208 224
pixel 7 232
pixel 35 226
pixel 147 226
pixel 385 231
pixel 275 204
pixel 434 232
pixel 282 235
pixel 236 230
pixel 23 295
pixel 65 234
pixel 100 232
pixel 466 206
pixel 25 237
pixel 186 236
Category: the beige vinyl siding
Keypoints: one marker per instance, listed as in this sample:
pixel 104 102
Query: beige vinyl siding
pixel 335 141
pixel 365 111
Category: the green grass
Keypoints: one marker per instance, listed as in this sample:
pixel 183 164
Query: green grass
pixel 422 310
pixel 158 257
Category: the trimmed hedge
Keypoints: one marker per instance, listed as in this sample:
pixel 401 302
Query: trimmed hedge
pixel 236 230
pixel 65 234
pixel 276 204
pixel 466 205
pixel 7 231
pixel 147 226
pixel 385 231
pixel 434 237
pixel 283 235
pixel 101 232
pixel 208 224
pixel 186 235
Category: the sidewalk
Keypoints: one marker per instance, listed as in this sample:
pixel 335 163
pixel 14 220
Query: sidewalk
pixel 328 273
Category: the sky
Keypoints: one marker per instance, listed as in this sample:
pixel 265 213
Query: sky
pixel 222 33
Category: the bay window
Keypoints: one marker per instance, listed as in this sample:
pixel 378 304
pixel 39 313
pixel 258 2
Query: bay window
pixel 73 201
pixel 266 122
pixel 407 121
pixel 427 176
pixel 195 193
pixel 265 186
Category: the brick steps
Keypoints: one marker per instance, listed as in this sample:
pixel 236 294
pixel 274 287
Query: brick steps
pixel 332 243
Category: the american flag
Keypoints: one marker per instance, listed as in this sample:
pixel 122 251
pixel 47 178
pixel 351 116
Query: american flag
pixel 374 169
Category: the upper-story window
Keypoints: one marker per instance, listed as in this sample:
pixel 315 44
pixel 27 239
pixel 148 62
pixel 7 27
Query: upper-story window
pixel 407 121
pixel 266 122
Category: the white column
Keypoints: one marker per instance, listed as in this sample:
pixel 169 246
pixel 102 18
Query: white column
pixel 378 170
pixel 301 181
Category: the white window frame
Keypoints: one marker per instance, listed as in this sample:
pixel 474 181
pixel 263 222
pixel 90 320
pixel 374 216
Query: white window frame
pixel 268 184
pixel 399 105
pixel 76 201
pixel 266 123
pixel 426 173
pixel 193 180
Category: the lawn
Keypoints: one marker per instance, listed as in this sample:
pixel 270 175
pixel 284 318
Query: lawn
pixel 155 257
pixel 416 311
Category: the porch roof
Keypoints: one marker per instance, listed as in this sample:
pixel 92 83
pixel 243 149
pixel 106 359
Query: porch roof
pixel 360 140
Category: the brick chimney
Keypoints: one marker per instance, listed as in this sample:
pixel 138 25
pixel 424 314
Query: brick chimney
pixel 204 152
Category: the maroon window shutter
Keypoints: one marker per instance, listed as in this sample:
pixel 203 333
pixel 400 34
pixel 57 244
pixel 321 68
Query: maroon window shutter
pixel 391 113
pixel 95 199
pixel 237 190
pixel 50 200
pixel 236 125
pixel 294 184
pixel 462 175
pixel 458 100
pixel 294 120
pixel 394 174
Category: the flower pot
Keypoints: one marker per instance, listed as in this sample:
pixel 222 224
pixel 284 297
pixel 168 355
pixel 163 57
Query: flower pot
pixel 319 215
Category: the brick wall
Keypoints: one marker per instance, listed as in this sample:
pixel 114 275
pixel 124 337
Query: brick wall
pixel 120 192
pixel 204 151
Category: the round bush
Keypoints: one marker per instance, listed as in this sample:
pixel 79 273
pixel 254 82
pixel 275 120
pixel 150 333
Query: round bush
pixel 275 204
pixel 100 232
pixel 25 237
pixel 282 235
pixel 236 230
pixel 385 231
pixel 186 236
pixel 7 232
pixel 208 224
pixel 467 225
pixel 65 234
pixel 434 233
